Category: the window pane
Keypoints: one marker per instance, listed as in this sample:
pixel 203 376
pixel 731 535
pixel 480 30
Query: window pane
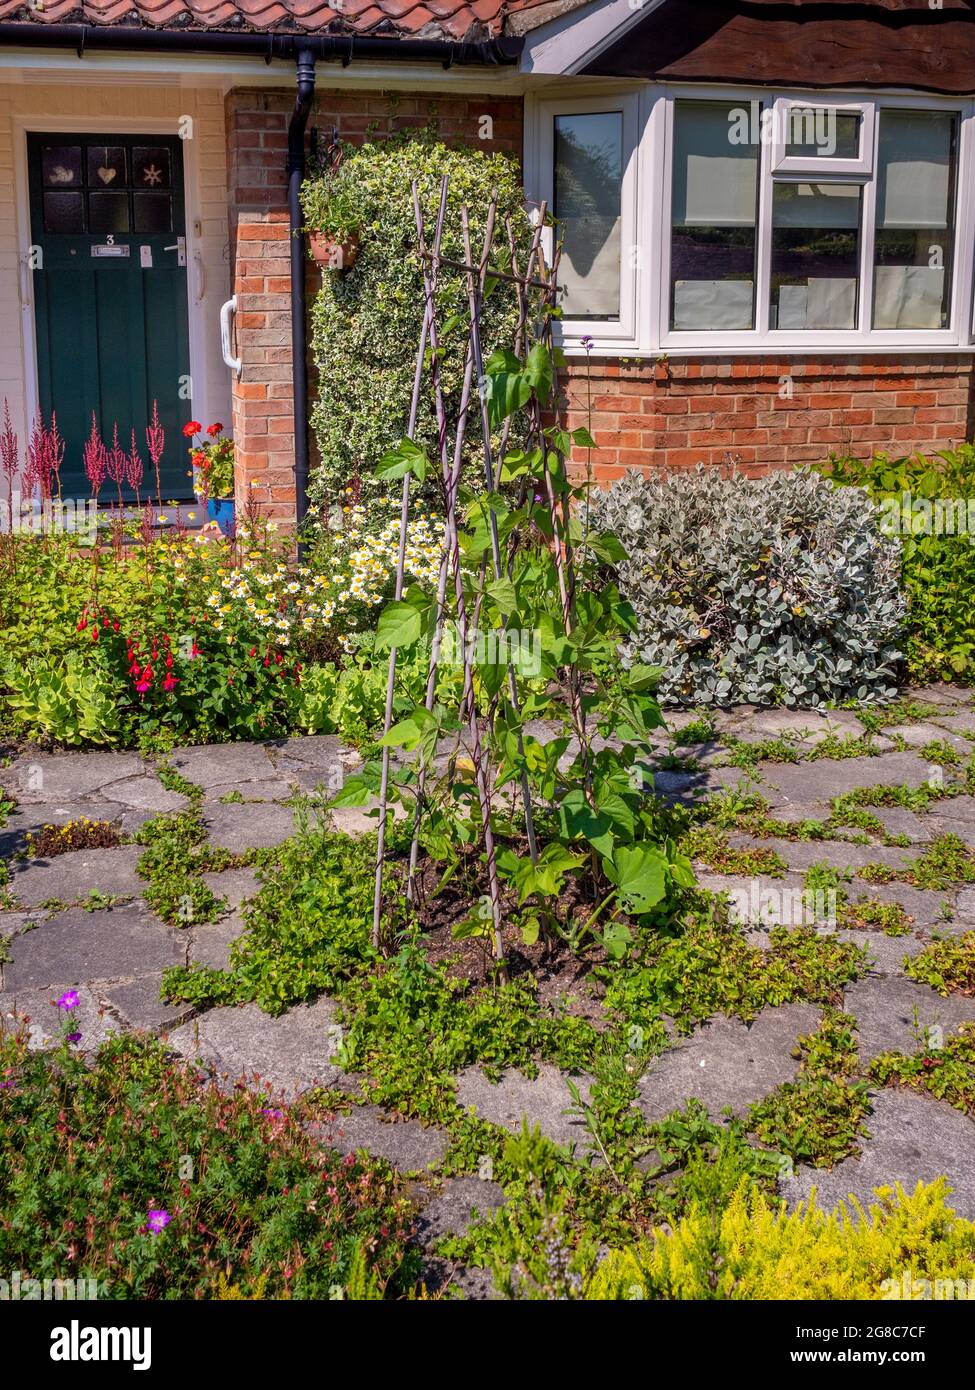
pixel 150 166
pixel 64 213
pixel 815 256
pixel 915 216
pixel 153 212
pixel 108 212
pixel 715 197
pixel 106 166
pixel 588 181
pixel 61 166
pixel 821 132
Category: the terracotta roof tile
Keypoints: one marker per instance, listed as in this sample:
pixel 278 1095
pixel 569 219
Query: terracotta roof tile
pixel 451 19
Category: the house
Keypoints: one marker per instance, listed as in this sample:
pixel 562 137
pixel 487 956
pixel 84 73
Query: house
pixel 767 209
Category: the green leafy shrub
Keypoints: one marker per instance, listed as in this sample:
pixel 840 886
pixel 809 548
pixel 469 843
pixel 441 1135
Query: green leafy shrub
pixel 63 700
pixel 92 1184
pixel 366 322
pixel 765 591
pixel 759 1250
pixel 924 503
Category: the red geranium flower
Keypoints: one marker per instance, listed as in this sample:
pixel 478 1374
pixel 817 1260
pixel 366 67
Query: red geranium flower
pixel 213 430
pixel 192 427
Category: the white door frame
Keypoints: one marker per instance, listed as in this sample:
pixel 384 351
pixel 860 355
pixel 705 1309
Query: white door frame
pixel 24 124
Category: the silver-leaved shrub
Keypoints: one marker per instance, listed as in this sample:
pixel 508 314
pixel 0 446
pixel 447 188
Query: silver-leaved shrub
pixel 764 591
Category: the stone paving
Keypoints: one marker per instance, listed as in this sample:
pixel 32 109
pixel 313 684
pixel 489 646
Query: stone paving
pixel 115 955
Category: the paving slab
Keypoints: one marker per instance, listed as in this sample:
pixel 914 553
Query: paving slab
pixel 801 855
pixel 924 906
pixel 955 807
pixel 13 922
pixel 456 1206
pixel 210 942
pixel 406 1144
pixel 145 794
pixel 812 726
pixel 948 825
pixel 944 694
pixel 139 1004
pixel 224 765
pixel 69 877
pixel 241 826
pixel 911 1138
pixel 64 777
pixel 897 820
pixel 895 1015
pixel 321 751
pixel 919 735
pixel 71 947
pixel 292 1052
pixel 887 953
pixel 761 900
pixel 824 778
pixel 236 885
pixel 800 811
pixel 543 1101
pixel 727 1062
pixel 35 1010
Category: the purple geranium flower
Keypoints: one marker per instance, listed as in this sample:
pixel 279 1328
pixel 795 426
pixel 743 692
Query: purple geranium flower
pixel 588 343
pixel 158 1219
pixel 69 1000
pixel 73 1038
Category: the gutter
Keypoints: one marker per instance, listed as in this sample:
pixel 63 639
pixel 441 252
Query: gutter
pixel 304 50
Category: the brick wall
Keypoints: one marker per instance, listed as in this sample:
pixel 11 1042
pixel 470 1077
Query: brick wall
pixel 765 412
pixel 257 125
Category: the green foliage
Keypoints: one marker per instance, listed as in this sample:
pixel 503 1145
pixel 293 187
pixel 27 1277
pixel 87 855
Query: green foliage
pixel 90 1146
pixel 947 965
pixel 920 499
pixel 62 700
pixel 366 322
pixel 775 590
pixel 818 1117
pixel 757 1250
pixel 946 1071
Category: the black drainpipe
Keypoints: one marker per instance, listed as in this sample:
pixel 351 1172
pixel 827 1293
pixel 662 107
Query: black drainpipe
pixel 305 72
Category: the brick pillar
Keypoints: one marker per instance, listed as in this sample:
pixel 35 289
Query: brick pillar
pixel 263 403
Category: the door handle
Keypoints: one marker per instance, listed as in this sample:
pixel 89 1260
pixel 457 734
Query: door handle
pixel 179 246
pixel 201 278
pixel 226 311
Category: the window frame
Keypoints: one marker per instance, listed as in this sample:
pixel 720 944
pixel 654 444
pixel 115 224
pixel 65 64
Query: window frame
pixel 643 329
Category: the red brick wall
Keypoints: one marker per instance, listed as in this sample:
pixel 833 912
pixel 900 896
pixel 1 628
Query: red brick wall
pixel 767 412
pixel 257 126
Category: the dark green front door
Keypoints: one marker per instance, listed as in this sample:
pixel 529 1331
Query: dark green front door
pixel 108 227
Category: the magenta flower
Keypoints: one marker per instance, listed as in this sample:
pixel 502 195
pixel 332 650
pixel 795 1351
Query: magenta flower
pixel 158 1219
pixel 73 1038
pixel 69 1000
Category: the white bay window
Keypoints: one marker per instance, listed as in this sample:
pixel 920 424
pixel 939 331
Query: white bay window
pixel 715 220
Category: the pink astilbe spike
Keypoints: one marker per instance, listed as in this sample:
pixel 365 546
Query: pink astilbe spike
pixel 117 462
pixel 9 463
pixel 36 473
pixel 95 456
pixel 133 469
pixel 54 453
pixel 156 443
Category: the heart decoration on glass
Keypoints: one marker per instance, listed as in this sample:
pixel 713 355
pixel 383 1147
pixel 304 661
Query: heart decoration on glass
pixel 106 175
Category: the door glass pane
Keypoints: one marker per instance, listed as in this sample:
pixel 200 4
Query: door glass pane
pixel 150 166
pixel 106 166
pixel 108 212
pixel 815 255
pixel 153 212
pixel 61 166
pixel 588 182
pixel 64 214
pixel 715 200
pixel 915 220
pixel 821 132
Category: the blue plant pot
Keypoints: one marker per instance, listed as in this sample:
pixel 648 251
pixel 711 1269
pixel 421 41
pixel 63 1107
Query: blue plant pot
pixel 221 510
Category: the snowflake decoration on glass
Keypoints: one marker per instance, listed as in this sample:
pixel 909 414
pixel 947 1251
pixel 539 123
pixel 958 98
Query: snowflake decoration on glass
pixel 151 174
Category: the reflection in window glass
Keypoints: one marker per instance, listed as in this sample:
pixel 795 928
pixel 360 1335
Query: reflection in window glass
pixel 821 132
pixel 588 182
pixel 715 197
pixel 815 255
pixel 915 216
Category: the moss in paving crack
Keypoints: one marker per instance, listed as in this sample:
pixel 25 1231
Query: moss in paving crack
pixel 771 750
pixel 697 731
pixel 818 1117
pixel 946 1072
pixel 874 718
pixel 940 753
pixel 947 861
pixel 947 965
pixel 867 914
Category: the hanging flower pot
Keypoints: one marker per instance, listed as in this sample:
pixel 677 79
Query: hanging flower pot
pixel 331 254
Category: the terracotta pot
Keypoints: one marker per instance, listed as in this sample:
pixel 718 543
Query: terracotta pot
pixel 331 254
